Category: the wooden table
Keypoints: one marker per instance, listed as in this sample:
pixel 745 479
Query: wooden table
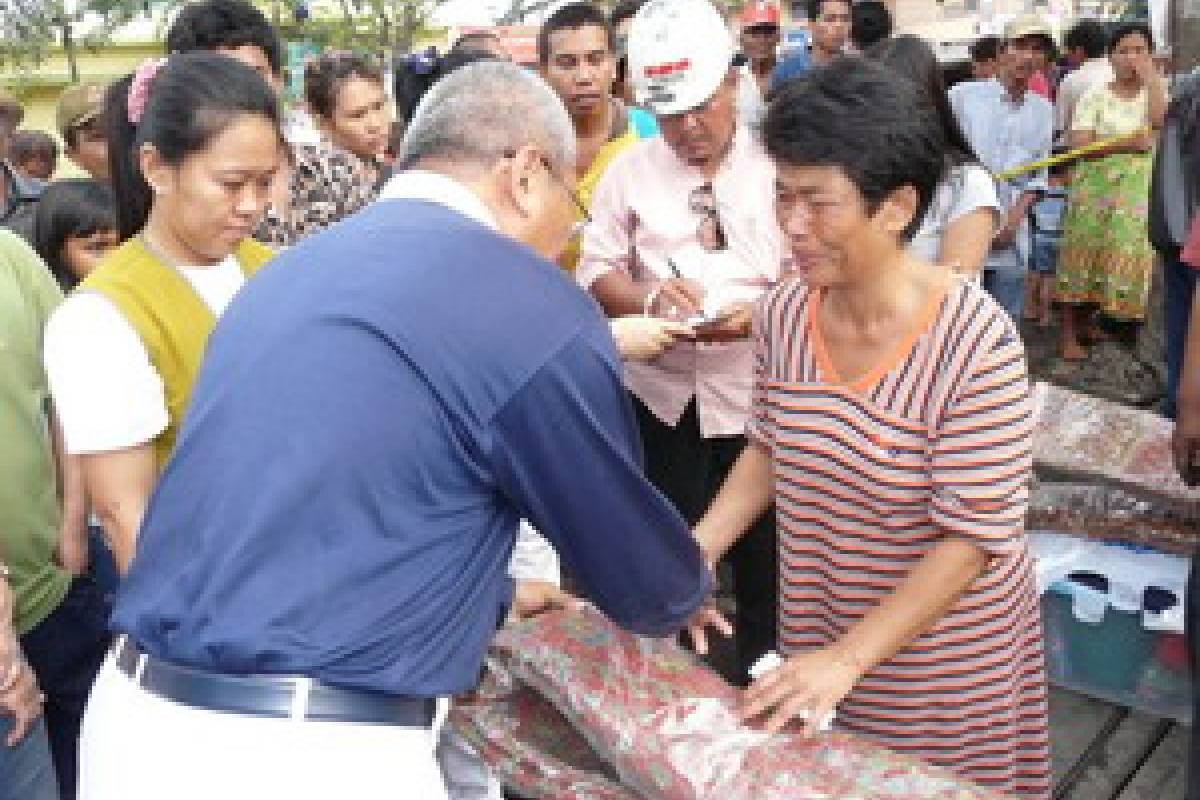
pixel 1106 752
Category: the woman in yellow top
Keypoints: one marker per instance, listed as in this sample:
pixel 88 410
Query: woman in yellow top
pixel 195 143
pixel 1106 258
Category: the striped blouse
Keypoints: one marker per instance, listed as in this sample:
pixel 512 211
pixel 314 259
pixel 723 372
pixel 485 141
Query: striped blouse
pixel 869 474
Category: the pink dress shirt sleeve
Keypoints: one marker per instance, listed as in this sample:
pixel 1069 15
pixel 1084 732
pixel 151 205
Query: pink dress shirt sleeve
pixel 608 238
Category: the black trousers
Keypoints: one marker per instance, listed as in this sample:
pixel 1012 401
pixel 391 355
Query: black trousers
pixel 690 469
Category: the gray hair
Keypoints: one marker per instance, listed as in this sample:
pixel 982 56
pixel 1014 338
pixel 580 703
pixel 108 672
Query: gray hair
pixel 483 110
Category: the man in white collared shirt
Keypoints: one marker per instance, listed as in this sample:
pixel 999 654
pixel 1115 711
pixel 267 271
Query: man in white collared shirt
pixel 1009 126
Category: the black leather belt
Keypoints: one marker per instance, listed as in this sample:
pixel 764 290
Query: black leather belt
pixel 270 695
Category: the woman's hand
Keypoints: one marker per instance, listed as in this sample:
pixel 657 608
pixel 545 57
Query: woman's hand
pixel 1144 141
pixel 808 686
pixel 642 338
pixel 1146 70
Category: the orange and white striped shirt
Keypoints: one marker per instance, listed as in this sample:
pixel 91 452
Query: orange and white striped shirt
pixel 869 475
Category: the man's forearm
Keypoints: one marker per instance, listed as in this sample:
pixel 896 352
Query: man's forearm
pixel 620 295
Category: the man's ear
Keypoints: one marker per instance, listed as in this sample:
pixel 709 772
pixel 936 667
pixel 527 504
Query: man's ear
pixel 520 178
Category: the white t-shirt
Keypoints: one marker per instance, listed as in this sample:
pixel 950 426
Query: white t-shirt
pixel 967 188
pixel 751 105
pixel 107 393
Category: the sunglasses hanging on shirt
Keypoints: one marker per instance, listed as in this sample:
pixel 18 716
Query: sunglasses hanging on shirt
pixel 711 232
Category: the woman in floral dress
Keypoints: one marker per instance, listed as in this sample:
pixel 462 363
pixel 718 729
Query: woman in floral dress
pixel 1106 258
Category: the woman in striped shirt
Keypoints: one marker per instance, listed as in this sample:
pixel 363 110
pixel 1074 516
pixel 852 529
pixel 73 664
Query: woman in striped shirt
pixel 892 429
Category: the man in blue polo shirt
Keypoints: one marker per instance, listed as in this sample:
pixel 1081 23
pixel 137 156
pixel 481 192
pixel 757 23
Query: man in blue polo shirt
pixel 324 559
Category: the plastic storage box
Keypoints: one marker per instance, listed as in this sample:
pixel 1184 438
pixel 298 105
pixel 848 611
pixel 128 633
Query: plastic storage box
pixel 1113 623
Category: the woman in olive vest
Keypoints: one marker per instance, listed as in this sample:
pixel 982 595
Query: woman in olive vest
pixel 195 142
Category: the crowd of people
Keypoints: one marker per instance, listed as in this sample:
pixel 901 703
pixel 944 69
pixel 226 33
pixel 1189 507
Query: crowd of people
pixel 295 415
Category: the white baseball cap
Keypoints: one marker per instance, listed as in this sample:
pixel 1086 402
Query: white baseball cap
pixel 680 51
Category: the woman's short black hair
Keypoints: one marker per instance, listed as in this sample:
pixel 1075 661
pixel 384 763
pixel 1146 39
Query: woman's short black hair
pixel 70 209
pixel 985 48
pixel 191 100
pixel 913 58
pixel 209 25
pixel 1130 29
pixel 1089 36
pixel 857 116
pixel 325 75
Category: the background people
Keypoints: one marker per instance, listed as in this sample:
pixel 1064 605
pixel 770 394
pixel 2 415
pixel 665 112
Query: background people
pixel 1106 259
pixel 1010 126
pixel 74 228
pixel 959 226
pixel 195 146
pixel 18 195
pixel 1087 51
pixel 24 754
pixel 54 607
pixel 759 37
pixel 320 184
pixel 34 154
pixel 80 119
pixel 345 95
pixel 829 23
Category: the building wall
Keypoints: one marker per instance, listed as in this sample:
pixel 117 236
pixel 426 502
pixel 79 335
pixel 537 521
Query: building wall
pixel 38 88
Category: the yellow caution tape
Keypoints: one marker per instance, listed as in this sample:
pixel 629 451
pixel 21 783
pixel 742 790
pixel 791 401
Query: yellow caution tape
pixel 1063 158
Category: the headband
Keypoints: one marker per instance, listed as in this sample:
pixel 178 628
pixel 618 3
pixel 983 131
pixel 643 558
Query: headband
pixel 139 87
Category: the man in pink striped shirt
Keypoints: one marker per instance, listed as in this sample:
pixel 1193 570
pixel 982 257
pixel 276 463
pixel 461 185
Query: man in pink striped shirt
pixel 683 227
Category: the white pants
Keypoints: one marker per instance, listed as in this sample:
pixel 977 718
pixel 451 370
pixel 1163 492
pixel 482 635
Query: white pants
pixel 467 776
pixel 136 746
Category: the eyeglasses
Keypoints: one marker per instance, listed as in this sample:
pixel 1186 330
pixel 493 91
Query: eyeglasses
pixel 711 232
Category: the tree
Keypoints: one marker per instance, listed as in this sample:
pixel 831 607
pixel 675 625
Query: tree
pixel 396 23
pixel 519 10
pixel 30 29
pixel 387 26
